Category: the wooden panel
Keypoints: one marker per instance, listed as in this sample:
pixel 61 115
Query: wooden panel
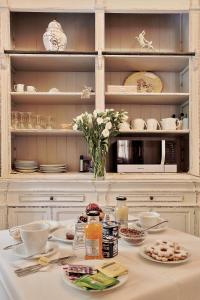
pixel 64 81
pixel 130 63
pixel 77 27
pixel 170 80
pixel 162 29
pixel 148 111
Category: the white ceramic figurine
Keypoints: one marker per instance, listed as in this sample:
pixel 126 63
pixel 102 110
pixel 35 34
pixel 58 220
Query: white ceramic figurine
pixel 143 42
pixel 54 38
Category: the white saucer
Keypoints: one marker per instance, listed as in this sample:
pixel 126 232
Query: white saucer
pixel 50 249
pixel 157 229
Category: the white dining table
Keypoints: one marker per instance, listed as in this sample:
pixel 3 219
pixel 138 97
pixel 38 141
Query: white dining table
pixel 146 280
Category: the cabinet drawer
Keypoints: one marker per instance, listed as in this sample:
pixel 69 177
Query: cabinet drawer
pixel 52 198
pixel 155 198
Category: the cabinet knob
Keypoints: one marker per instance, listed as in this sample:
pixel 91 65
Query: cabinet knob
pixel 51 198
pixel 151 198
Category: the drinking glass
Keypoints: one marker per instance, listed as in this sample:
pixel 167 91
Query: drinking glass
pixel 21 120
pixel 14 120
pixel 79 240
pixel 38 122
pixel 49 122
pixel 29 121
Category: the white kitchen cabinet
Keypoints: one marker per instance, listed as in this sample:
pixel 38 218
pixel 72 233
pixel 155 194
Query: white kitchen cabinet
pixel 66 213
pixel 3 217
pixel 22 215
pixel 180 218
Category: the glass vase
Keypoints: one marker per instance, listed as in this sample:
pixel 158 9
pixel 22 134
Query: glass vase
pixel 99 163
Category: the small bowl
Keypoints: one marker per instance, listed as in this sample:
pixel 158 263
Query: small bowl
pixel 133 236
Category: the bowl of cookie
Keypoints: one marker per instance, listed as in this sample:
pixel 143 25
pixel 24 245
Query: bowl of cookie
pixel 132 235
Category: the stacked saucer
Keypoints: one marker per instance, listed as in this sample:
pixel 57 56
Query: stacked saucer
pixel 53 168
pixel 26 166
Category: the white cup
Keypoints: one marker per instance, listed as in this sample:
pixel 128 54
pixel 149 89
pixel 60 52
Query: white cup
pixel 149 218
pixel 34 237
pixel 19 87
pixel 153 124
pixel 30 89
pixel 53 90
pixel 139 124
pixel 124 126
pixel 170 123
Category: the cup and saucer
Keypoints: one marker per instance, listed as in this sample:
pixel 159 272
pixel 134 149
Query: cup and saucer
pixel 151 218
pixel 35 242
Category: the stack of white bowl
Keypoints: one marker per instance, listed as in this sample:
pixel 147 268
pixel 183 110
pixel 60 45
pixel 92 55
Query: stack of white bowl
pixel 53 168
pixel 26 166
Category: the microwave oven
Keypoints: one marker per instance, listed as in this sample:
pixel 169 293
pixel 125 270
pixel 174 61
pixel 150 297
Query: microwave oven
pixel 145 155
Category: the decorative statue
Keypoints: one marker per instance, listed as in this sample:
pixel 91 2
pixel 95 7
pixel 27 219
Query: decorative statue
pixel 143 42
pixel 86 92
pixel 54 38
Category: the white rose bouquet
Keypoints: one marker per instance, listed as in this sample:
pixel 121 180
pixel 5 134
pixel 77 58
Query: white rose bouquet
pixel 97 129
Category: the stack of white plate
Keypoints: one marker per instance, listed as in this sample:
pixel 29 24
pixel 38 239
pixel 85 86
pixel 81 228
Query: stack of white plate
pixel 53 168
pixel 26 166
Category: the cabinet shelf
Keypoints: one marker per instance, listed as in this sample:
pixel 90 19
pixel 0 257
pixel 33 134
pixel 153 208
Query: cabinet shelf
pixel 149 53
pixel 154 132
pixel 129 63
pixel 53 62
pixel 146 98
pixel 46 132
pixel 71 98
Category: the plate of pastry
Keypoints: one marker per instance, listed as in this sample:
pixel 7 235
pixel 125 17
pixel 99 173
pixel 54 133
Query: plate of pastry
pixel 95 275
pixel 165 252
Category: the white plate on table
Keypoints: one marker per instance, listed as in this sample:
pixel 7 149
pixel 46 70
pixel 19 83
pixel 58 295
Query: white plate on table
pixel 159 228
pixel 122 279
pixel 60 235
pixel 50 249
pixel 176 262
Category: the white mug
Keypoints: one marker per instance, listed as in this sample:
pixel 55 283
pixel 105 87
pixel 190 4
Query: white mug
pixel 148 219
pixel 139 124
pixel 34 237
pixel 30 89
pixel 19 87
pixel 153 124
pixel 170 123
pixel 124 126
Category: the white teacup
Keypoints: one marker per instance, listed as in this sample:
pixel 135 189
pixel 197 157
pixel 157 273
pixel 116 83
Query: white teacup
pixel 30 89
pixel 148 219
pixel 125 126
pixel 34 237
pixel 153 124
pixel 54 90
pixel 170 123
pixel 19 87
pixel 139 124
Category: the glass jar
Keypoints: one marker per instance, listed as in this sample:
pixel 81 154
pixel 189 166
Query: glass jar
pixel 93 236
pixel 121 211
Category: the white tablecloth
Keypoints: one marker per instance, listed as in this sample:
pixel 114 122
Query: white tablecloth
pixel 147 280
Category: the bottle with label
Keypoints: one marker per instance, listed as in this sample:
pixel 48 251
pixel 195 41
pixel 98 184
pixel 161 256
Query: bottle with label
pixel 93 236
pixel 81 169
pixel 121 211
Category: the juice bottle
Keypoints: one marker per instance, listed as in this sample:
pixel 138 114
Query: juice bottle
pixel 93 236
pixel 121 211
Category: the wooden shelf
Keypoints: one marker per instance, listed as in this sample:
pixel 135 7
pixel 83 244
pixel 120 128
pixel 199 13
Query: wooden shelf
pixel 53 62
pixel 51 98
pixel 146 98
pixel 149 53
pixel 129 63
pixel 46 132
pixel 154 132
